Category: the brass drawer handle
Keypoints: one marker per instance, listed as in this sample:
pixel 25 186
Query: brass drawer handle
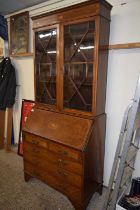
pixel 61 162
pixel 62 173
pixel 63 152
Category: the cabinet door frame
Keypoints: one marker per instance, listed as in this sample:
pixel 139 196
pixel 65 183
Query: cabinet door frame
pixel 60 70
pixel 41 29
pixel 95 58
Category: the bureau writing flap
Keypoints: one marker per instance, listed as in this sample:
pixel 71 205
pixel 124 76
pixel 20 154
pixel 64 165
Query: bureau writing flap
pixel 68 130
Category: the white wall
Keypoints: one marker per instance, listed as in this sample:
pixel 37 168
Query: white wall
pixel 25 90
pixel 123 71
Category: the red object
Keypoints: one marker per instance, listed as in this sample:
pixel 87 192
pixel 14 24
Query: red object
pixel 27 107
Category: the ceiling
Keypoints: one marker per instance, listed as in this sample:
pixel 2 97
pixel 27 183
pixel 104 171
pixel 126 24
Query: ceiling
pixel 7 7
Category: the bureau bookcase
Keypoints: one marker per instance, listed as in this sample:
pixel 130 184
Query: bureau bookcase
pixel 64 136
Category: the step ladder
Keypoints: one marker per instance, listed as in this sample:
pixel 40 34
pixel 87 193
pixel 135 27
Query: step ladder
pixel 127 148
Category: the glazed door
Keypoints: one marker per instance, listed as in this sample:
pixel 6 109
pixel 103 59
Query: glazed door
pixel 78 73
pixel 46 65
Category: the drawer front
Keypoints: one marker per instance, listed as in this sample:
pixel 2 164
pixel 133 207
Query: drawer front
pixel 32 170
pixel 54 147
pixel 71 191
pixel 65 152
pixel 34 154
pixel 35 140
pixel 55 169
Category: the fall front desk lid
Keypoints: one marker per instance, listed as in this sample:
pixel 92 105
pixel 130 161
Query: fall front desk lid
pixel 65 129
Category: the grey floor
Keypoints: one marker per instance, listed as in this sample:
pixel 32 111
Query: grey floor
pixel 16 194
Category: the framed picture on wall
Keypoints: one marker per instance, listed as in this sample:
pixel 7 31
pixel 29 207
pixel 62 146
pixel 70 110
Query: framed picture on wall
pixel 19 33
pixel 26 109
pixel 1 47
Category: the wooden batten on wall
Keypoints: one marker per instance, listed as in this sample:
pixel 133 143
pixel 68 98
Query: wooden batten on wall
pixel 9 129
pixel 2 125
pixel 6 128
pixel 124 46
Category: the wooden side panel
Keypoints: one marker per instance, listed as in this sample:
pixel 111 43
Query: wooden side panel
pixel 2 124
pixel 9 129
pixel 104 26
pixel 98 141
pixel 94 157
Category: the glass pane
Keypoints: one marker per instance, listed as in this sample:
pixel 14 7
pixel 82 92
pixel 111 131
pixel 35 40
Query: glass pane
pixel 78 67
pixel 19 33
pixel 46 66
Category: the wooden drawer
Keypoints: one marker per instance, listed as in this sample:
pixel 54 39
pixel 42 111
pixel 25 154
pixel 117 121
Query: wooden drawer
pixel 52 146
pixel 65 151
pixel 56 170
pixel 35 140
pixel 71 191
pixel 32 170
pixel 34 154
